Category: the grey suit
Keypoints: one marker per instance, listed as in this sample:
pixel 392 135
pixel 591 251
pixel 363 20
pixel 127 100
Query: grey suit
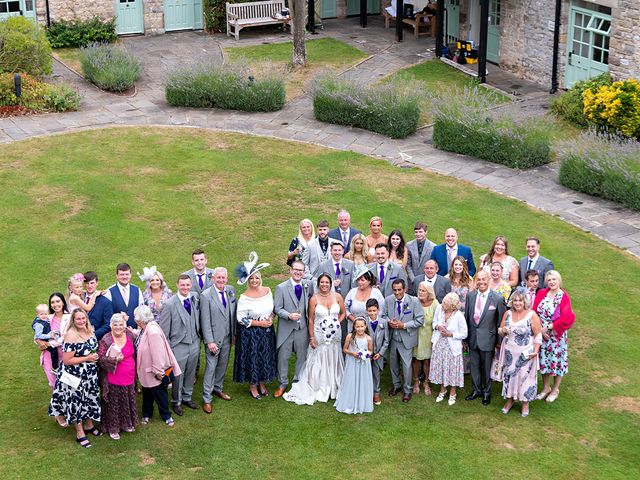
pixel 218 326
pixel 381 341
pixel 346 274
pixel 183 334
pixel 396 272
pixel 415 262
pixel 206 280
pixel 293 336
pixel 483 338
pixel 402 342
pixel 542 266
pixel 442 286
pixel 312 256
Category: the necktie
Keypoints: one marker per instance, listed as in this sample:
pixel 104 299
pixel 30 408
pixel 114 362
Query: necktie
pixel 529 264
pixel 449 257
pixel 398 306
pixel 88 299
pixel 200 282
pixel 345 236
pixel 187 305
pixel 224 300
pixel 298 290
pixel 374 324
pixel 478 312
pixel 420 247
pixel 125 295
pixel 337 269
pixel 381 273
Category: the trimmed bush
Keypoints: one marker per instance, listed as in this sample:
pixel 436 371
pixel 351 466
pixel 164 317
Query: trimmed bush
pixel 110 68
pixel 464 123
pixel 80 33
pixel 38 96
pixel 231 86
pixel 603 166
pixel 615 107
pixel 570 105
pixel 24 47
pixel 392 109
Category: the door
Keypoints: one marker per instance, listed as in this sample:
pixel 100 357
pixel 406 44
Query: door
pixel 493 32
pixel 183 15
pixel 452 15
pixel 328 9
pixel 588 45
pixel 373 7
pixel 129 17
pixel 11 8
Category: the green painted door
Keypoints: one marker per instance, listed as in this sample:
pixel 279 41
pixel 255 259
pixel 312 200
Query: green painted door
pixel 183 15
pixel 588 45
pixel 493 32
pixel 129 17
pixel 452 14
pixel 353 7
pixel 13 8
pixel 328 9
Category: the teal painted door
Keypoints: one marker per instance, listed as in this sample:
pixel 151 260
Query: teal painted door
pixel 493 32
pixel 328 9
pixel 353 7
pixel 588 45
pixel 12 8
pixel 452 13
pixel 129 17
pixel 183 15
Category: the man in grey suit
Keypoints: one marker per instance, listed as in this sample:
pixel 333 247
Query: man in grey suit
pixel 344 232
pixel 217 321
pixel 419 252
pixel 180 322
pixel 290 304
pixel 534 261
pixel 318 249
pixel 385 271
pixel 405 315
pixel 483 311
pixel 338 268
pixel 440 284
pixel 200 275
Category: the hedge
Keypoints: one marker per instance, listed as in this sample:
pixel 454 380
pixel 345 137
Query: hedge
pixel 80 33
pixel 24 47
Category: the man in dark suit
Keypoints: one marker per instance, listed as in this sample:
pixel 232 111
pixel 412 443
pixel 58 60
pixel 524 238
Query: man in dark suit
pixel 385 271
pixel 100 314
pixel 344 232
pixel 180 322
pixel 450 249
pixel 200 275
pixel 124 296
pixel 483 311
pixel 441 285
pixel 419 249
pixel 534 261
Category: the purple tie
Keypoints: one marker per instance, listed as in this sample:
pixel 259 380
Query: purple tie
pixel 187 305
pixel 298 290
pixel 374 324
pixel 200 282
pixel 337 269
pixel 381 273
pixel 224 301
pixel 398 302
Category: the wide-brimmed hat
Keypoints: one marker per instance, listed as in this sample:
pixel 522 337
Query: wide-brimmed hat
pixel 360 271
pixel 244 270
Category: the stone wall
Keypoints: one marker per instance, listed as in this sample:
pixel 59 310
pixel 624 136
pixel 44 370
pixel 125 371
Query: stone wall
pixel 153 17
pixel 72 9
pixel 624 47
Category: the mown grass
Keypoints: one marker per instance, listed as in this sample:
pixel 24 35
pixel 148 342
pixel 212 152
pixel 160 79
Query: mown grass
pixel 70 57
pixel 150 196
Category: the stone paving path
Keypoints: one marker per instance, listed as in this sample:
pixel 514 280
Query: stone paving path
pixel 538 187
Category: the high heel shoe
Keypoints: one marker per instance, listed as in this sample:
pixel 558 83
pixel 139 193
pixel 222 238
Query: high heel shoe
pixel 441 396
pixel 452 400
pixel 257 396
pixel 553 396
pixel 543 394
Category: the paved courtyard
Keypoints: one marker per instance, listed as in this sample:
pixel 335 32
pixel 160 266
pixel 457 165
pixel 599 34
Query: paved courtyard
pixel 538 187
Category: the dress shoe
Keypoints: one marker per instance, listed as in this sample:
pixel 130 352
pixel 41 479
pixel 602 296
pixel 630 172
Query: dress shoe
pixel 393 391
pixel 177 409
pixel 406 397
pixel 376 399
pixel 206 407
pixel 486 399
pixel 473 396
pixel 191 404
pixel 279 392
pixel 222 395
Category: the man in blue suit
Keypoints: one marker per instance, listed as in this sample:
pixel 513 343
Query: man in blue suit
pixel 345 232
pixel 100 314
pixel 124 296
pixel 450 249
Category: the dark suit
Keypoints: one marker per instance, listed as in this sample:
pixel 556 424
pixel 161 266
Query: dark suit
pixel 439 254
pixel 483 337
pixel 542 266
pixel 336 234
pixel 442 286
pixel 100 316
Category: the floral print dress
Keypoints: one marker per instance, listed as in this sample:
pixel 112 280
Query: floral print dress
pixel 554 352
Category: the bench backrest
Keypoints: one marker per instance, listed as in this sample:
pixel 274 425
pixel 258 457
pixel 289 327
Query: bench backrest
pixel 256 9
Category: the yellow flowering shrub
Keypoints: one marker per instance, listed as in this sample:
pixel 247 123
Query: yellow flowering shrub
pixel 615 107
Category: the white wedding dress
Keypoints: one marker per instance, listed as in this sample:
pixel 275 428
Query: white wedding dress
pixel 321 374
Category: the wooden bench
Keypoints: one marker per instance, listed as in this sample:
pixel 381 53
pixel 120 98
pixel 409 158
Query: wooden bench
pixel 416 23
pixel 253 14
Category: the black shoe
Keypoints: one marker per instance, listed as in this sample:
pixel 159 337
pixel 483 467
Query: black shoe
pixel 393 391
pixel 486 399
pixel 191 404
pixel 177 409
pixel 473 396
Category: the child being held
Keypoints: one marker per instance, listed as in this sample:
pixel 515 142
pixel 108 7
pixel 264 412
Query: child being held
pixel 42 331
pixel 76 293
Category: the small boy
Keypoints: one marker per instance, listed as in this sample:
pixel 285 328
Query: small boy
pixel 42 331
pixel 379 330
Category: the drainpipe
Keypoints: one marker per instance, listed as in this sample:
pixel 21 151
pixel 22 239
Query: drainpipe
pixel 482 48
pixel 399 15
pixel 48 14
pixel 439 27
pixel 556 48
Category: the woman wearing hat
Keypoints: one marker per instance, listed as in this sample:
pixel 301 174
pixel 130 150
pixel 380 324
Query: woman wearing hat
pixel 356 300
pixel 255 357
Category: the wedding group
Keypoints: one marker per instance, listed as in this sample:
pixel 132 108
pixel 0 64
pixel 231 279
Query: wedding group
pixel 352 304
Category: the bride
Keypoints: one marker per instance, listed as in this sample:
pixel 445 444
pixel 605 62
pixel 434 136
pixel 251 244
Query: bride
pixel 322 372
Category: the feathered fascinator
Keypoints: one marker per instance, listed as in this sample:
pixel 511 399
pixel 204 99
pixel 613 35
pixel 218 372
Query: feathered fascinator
pixel 245 269
pixel 147 273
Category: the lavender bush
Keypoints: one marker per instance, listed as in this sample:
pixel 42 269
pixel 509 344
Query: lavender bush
pixel 110 68
pixel 604 166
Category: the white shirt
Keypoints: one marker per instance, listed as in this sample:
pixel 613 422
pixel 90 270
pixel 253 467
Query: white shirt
pixel 533 261
pixel 124 288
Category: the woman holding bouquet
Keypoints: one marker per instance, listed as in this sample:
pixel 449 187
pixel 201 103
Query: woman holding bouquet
pixel 321 374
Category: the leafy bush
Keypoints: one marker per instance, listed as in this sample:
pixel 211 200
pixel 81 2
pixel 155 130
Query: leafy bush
pixel 604 166
pixel 391 109
pixel 23 47
pixel 109 67
pixel 570 105
pixel 37 95
pixel 465 124
pixel 231 86
pixel 215 16
pixel 79 33
pixel 615 107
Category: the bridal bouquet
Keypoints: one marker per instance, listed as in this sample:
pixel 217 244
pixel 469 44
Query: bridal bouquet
pixel 329 326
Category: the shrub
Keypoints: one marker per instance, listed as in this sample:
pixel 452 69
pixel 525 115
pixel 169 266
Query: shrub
pixel 215 16
pixel 391 109
pixel 108 67
pixel 604 166
pixel 231 86
pixel 80 33
pixel 23 47
pixel 615 107
pixel 61 98
pixel 570 105
pixel 37 95
pixel 464 123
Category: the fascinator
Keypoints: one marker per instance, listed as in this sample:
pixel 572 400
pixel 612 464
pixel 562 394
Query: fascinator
pixel 77 277
pixel 147 273
pixel 360 271
pixel 245 269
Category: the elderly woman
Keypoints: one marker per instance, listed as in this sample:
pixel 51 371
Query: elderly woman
pixel 497 283
pixel 553 306
pixel 449 329
pixel 461 281
pixel 75 394
pixel 356 300
pixel 519 353
pixel 157 293
pixel 359 251
pixel 499 252
pixel 306 233
pixel 422 353
pixel 376 236
pixel 155 365
pixel 117 363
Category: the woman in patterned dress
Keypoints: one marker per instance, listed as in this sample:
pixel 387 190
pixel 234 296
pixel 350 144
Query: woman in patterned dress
pixel 499 252
pixel 80 406
pixel 156 294
pixel 553 306
pixel 497 283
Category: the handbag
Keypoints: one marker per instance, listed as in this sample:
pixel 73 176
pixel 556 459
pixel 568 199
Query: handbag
pixel 71 380
pixel 497 370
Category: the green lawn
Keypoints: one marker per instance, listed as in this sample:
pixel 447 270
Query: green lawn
pixel 70 57
pixel 91 199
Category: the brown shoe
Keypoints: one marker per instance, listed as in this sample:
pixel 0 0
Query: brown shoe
pixel 222 395
pixel 279 392
pixel 376 399
pixel 206 407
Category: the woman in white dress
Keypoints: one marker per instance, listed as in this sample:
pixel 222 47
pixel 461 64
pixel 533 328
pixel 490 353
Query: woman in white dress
pixel 321 374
